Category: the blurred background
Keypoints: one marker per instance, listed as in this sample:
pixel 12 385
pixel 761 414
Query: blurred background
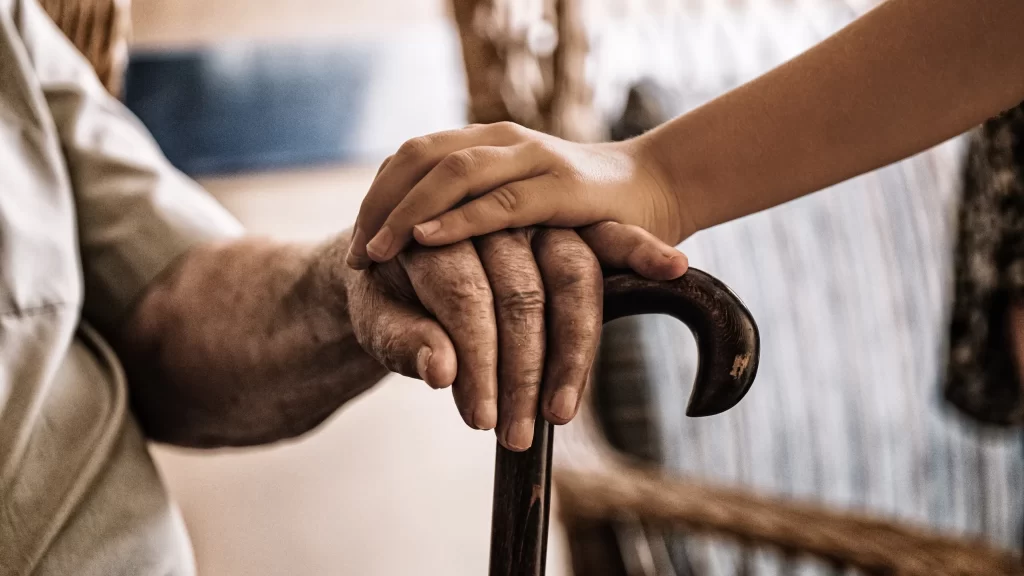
pixel 283 109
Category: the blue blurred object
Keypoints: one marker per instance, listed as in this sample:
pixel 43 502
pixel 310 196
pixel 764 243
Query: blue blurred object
pixel 230 109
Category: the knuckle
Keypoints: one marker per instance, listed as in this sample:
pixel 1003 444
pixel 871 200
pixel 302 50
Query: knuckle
pixel 522 396
pixel 541 147
pixel 576 357
pixel 461 296
pixel 459 164
pixel 606 229
pixel 462 218
pixel 507 198
pixel 510 128
pixel 414 150
pixel 521 300
pixel 384 164
pixel 609 238
pixel 470 291
pixel 571 175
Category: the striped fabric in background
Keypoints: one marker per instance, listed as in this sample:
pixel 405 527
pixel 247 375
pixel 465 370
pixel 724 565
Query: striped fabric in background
pixel 851 289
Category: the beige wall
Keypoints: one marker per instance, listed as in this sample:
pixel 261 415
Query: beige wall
pixel 173 23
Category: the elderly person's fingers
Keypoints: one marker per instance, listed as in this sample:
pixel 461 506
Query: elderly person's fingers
pixel 518 291
pixel 401 335
pixel 574 287
pixel 631 247
pixel 452 285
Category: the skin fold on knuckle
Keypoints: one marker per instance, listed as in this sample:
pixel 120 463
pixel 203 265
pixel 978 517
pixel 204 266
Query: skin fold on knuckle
pixel 511 130
pixel 520 300
pixel 507 198
pixel 605 238
pixel 414 151
pixel 522 354
pixel 459 165
pixel 522 398
pixel 449 272
pixel 462 219
pixel 466 293
pixel 575 361
pixel 540 148
pixel 520 316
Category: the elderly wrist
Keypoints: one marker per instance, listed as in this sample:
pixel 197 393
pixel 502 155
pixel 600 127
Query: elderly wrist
pixel 327 280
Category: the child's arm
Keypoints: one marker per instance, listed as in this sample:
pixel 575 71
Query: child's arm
pixel 901 78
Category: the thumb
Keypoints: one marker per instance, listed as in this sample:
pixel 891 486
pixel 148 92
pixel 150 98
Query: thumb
pixel 407 341
pixel 626 246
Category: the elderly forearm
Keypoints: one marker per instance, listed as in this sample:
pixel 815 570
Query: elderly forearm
pixel 245 343
pixel 904 77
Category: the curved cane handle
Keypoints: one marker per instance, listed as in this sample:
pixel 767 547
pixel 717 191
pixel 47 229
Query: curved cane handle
pixel 728 343
pixel 728 346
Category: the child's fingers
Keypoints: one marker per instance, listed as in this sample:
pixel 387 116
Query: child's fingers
pixel 462 174
pixel 409 165
pixel 523 203
pixel 627 246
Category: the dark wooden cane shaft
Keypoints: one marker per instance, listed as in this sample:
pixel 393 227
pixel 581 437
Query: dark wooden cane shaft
pixel 519 519
pixel 728 346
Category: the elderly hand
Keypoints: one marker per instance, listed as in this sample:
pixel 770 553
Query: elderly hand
pixel 505 319
pixel 253 341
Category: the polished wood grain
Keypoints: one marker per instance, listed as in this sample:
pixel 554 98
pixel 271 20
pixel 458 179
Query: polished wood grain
pixel 728 345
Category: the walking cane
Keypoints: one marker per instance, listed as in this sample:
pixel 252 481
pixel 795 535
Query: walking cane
pixel 728 348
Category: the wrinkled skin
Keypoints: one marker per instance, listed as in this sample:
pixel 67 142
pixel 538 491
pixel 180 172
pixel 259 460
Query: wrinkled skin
pixel 522 308
pixel 253 341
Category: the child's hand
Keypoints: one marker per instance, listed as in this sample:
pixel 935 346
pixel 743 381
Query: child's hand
pixel 454 185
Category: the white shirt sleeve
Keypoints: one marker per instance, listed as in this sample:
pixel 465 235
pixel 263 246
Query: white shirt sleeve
pixel 136 212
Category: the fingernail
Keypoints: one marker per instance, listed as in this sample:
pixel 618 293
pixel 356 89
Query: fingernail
pixel 380 245
pixel 355 257
pixel 677 264
pixel 428 228
pixel 520 434
pixel 563 405
pixel 486 415
pixel 423 363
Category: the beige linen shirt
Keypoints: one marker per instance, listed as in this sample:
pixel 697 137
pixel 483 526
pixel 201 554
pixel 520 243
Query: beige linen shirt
pixel 90 213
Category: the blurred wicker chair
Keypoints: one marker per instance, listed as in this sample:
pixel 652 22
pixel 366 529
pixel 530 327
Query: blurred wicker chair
pixel 100 30
pixel 525 62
